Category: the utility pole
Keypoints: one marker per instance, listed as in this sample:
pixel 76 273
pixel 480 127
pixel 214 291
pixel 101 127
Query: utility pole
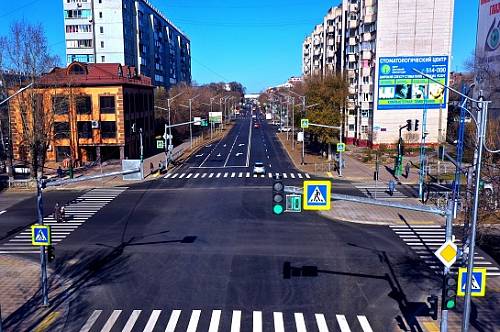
pixel 303 130
pixel 293 123
pixel 43 259
pixel 142 146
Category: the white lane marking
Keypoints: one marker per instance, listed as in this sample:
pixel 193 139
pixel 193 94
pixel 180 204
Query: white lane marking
pixel 255 175
pixel 233 174
pixel 189 175
pixel 238 154
pixel 321 322
pixel 131 321
pixel 268 157
pixel 285 176
pixel 292 175
pixel 249 144
pixel 182 175
pixel 218 175
pixel 236 321
pixel 226 174
pixel 172 322
pixel 230 150
pixel 299 322
pixel 248 174
pixel 364 323
pixel 196 175
pixel 152 321
pixel 111 321
pixel 344 327
pixel 211 175
pixel 167 176
pixel 193 321
pixel 175 175
pixel 279 326
pixel 300 175
pixel 307 176
pixel 270 175
pixel 203 175
pixel 91 321
pixel 240 174
pixel 199 155
pixel 2 212
pixel 214 321
pixel 257 321
pixel 241 144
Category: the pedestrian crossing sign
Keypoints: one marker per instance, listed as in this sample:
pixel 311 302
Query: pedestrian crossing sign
pixel 40 235
pixel 317 195
pixel 478 286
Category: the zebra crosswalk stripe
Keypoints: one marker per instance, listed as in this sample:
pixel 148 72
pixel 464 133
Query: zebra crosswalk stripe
pixel 248 174
pixel 321 322
pixel 203 175
pixel 270 175
pixel 111 321
pixel 91 321
pixel 300 322
pixel 189 175
pixel 279 326
pixel 168 175
pixel 182 175
pixel 196 175
pixel 233 175
pixel 257 321
pixel 307 176
pixel 292 175
pixel 193 321
pixel 236 321
pixel 300 175
pixel 285 176
pixel 131 321
pixel 214 321
pixel 172 322
pixel 210 175
pixel 218 175
pixel 240 174
pixel 344 326
pixel 150 325
pixel 364 324
pixel 226 174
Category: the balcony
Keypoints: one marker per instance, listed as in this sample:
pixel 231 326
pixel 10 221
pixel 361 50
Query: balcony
pixel 352 89
pixel 352 58
pixel 366 55
pixel 350 104
pixel 367 36
pixel 351 73
pixel 353 24
pixel 330 53
pixel 317 51
pixel 366 105
pixel 353 7
pixel 366 71
pixel 366 88
pixel 331 28
pixel 370 18
pixel 353 41
pixel 369 3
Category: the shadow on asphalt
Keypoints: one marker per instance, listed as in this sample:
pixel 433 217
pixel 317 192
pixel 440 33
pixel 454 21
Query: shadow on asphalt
pixel 409 310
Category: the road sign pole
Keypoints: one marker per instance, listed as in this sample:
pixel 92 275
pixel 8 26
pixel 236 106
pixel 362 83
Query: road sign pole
pixel 448 237
pixel 303 142
pixel 482 119
pixel 340 153
pixel 43 261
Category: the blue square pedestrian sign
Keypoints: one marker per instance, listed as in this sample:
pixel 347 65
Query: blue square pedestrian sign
pixel 316 195
pixel 478 281
pixel 40 235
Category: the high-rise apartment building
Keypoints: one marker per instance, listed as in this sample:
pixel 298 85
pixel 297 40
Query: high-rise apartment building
pixel 129 32
pixel 378 45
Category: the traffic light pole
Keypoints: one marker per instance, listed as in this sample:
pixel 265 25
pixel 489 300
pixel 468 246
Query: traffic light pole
pixel 43 260
pixel 448 237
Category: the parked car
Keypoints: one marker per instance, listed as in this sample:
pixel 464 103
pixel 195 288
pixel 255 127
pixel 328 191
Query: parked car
pixel 259 168
pixel 284 129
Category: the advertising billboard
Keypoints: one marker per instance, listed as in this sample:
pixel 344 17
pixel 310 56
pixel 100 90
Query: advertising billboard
pixel 215 117
pixel 400 87
pixel 488 34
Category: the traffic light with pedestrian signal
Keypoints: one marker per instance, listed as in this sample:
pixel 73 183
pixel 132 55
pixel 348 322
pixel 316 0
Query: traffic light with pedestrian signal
pixel 278 196
pixel 416 125
pixel 449 292
pixel 408 125
pixel 433 306
pixel 51 253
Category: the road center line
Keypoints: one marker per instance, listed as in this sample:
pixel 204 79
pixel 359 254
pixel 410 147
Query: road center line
pixel 231 150
pixel 249 143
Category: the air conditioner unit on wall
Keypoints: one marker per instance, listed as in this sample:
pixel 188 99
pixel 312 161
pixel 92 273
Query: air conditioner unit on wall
pixel 95 124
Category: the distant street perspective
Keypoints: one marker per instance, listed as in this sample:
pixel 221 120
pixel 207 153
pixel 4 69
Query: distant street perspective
pixel 354 187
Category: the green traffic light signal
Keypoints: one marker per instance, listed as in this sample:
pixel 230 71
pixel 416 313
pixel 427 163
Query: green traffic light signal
pixel 277 209
pixel 450 304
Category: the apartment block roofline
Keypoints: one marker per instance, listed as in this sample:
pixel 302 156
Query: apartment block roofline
pixel 153 8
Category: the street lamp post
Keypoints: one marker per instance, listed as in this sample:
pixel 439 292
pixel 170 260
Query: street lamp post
pixel 168 138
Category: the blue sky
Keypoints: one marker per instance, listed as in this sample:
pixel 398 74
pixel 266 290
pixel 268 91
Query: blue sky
pixel 257 43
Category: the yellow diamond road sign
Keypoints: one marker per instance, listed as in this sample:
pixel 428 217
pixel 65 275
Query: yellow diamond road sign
pixel 447 253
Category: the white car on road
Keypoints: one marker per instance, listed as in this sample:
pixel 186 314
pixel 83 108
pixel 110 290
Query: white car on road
pixel 259 168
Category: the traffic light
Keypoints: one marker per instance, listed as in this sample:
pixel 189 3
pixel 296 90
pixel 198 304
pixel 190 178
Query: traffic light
pixel 408 125
pixel 278 196
pixel 433 306
pixel 51 255
pixel 416 125
pixel 449 292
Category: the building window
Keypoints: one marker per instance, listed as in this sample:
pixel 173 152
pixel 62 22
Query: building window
pixel 62 152
pixel 102 44
pixel 108 129
pixel 101 30
pixel 80 43
pixel 103 58
pixel 100 1
pixel 107 104
pixel 100 14
pixel 364 129
pixel 80 58
pixel 84 129
pixel 83 105
pixel 60 104
pixel 351 127
pixel 77 13
pixel 61 130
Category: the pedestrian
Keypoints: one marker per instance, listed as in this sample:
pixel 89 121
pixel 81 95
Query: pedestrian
pixel 392 187
pixel 57 212
pixel 59 172
pixel 407 169
pixel 62 213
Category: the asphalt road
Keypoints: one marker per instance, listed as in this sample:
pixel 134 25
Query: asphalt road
pixel 189 254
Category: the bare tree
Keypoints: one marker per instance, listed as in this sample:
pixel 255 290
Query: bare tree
pixel 27 52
